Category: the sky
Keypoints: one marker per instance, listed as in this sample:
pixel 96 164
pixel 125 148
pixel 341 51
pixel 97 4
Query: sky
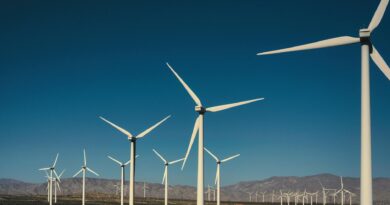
pixel 64 63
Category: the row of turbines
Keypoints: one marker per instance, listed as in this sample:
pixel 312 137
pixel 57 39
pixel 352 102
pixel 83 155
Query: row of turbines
pixel 305 197
pixel 367 49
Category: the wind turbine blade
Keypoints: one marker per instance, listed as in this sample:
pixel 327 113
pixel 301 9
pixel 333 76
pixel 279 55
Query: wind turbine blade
pixel 128 162
pixel 164 177
pixel 129 135
pixel 344 40
pixel 59 188
pixel 227 106
pixel 152 128
pixel 377 58
pixel 192 94
pixel 115 160
pixel 44 169
pixel 211 154
pixel 380 11
pixel 176 161
pixel 55 173
pixel 159 155
pixel 85 158
pixel 78 173
pixel 230 158
pixel 61 174
pixel 55 161
pixel 90 170
pixel 194 132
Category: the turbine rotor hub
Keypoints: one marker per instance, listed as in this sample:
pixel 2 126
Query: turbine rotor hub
pixel 200 109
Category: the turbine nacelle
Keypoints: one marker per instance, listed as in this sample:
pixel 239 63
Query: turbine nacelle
pixel 364 33
pixel 200 109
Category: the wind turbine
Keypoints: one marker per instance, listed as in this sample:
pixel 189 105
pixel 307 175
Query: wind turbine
pixel 250 196
pixel 263 193
pixel 324 192
pixel 165 176
pixel 145 187
pixel 133 140
pixel 84 169
pixel 281 197
pixel 52 170
pixel 341 191
pixel 367 49
pixel 57 181
pixel 198 127
pixel 218 175
pixel 48 186
pixel 122 166
pixel 350 196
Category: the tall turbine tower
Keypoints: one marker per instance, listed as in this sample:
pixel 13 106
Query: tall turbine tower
pixel 218 175
pixel 122 167
pixel 52 170
pixel 367 50
pixel 165 176
pixel 133 140
pixel 198 127
pixel 84 169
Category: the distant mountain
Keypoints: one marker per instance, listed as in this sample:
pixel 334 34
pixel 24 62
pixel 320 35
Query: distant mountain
pixel 235 192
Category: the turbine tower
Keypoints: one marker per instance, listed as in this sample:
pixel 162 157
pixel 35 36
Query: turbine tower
pixel 84 169
pixel 122 166
pixel 198 128
pixel 165 176
pixel 57 181
pixel 367 50
pixel 218 175
pixel 52 170
pixel 133 140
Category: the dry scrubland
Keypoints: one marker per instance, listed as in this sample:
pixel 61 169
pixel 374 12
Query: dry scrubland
pixel 109 200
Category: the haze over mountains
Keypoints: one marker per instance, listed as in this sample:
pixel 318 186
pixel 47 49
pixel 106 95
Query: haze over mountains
pixel 235 192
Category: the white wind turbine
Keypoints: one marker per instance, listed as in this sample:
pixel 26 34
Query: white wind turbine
pixel 198 127
pixel 165 176
pixel 350 196
pixel 122 166
pixel 218 174
pixel 57 181
pixel 52 170
pixel 324 193
pixel 367 49
pixel 84 169
pixel 133 140
pixel 263 193
pixel 342 191
pixel 145 187
pixel 250 196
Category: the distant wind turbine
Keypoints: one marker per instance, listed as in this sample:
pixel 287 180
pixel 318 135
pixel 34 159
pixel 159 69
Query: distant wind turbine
pixel 133 140
pixel 218 174
pixel 52 170
pixel 198 127
pixel 367 50
pixel 165 176
pixel 84 169
pixel 122 167
pixel 57 181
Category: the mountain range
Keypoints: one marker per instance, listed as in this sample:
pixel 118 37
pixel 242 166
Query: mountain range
pixel 235 192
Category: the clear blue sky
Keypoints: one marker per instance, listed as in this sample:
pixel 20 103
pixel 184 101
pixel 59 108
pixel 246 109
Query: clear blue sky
pixel 64 63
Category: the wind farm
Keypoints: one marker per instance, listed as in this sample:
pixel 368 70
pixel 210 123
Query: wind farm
pixel 122 79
